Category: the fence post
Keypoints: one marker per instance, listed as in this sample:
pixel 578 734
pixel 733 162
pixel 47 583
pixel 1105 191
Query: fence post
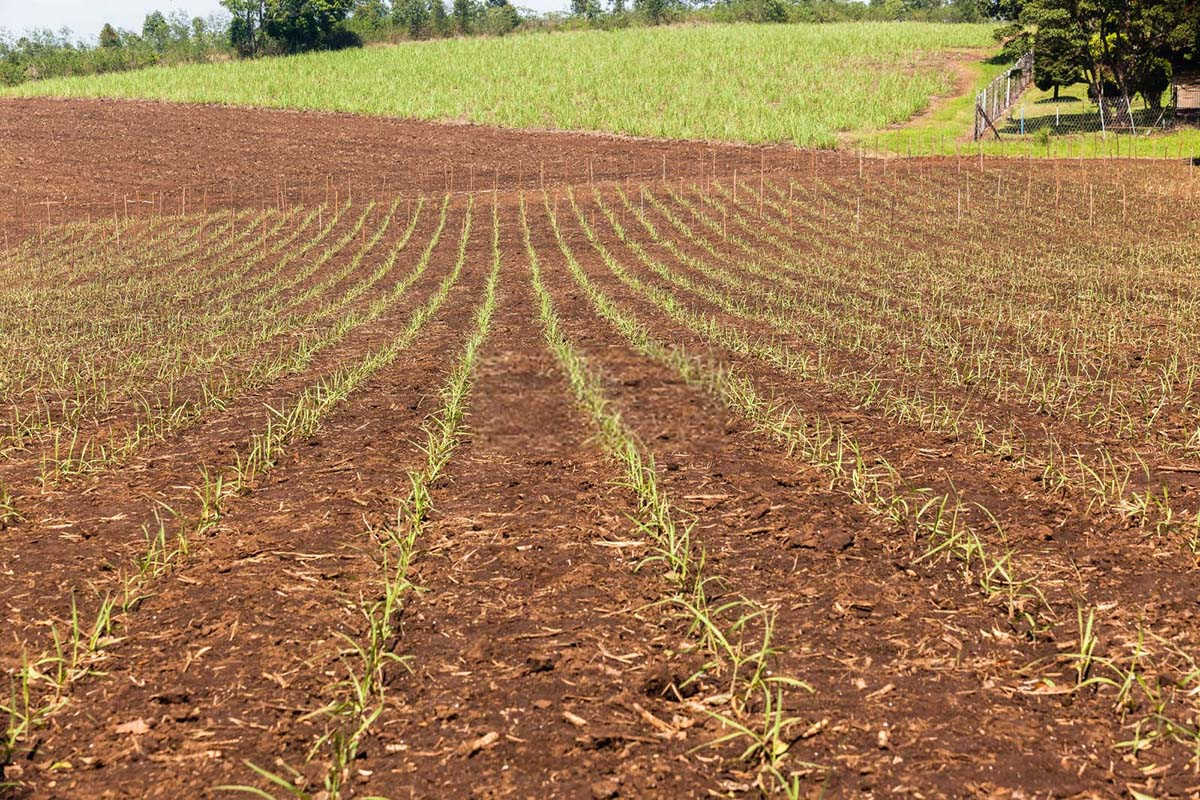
pixel 991 106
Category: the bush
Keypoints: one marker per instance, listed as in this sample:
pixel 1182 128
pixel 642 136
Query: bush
pixel 499 20
pixel 754 11
pixel 12 72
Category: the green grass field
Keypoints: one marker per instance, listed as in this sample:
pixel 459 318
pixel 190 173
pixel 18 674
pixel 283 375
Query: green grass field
pixel 802 84
pixel 946 131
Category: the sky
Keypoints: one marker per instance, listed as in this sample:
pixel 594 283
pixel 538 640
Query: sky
pixel 86 17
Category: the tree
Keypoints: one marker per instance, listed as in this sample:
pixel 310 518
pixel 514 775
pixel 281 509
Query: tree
pixel 964 11
pixel 1006 10
pixel 246 27
pixel 370 13
pixel 587 8
pixel 463 12
pixel 1059 51
pixel 499 17
pixel 1135 47
pixel 109 36
pixel 199 32
pixel 305 24
pixel 179 27
pixel 654 10
pixel 155 31
pixel 438 20
pixel 413 15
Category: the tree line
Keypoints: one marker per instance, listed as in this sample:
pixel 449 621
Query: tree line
pixel 164 39
pixel 1117 47
pixel 375 19
pixel 252 28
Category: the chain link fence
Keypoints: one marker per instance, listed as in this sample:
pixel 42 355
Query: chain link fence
pixel 1012 106
pixel 998 97
pixel 1077 109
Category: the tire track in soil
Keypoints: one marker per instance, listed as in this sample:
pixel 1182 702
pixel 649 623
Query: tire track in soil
pixel 242 641
pixel 82 534
pixel 523 616
pixel 852 606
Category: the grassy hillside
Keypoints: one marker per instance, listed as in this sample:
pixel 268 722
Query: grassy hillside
pixel 751 83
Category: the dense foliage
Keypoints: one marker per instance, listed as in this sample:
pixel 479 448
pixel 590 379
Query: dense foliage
pixel 164 39
pixel 1116 46
pixel 375 20
pixel 259 27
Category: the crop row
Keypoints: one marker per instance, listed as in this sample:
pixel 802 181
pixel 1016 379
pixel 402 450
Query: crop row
pixel 947 524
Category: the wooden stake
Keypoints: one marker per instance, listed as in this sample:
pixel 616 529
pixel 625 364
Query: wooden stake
pixel 762 174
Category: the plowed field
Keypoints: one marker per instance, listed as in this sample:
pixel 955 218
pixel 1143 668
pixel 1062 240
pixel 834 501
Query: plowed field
pixel 597 468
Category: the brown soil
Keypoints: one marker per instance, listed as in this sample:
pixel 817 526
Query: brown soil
pixel 537 657
pixel 104 153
